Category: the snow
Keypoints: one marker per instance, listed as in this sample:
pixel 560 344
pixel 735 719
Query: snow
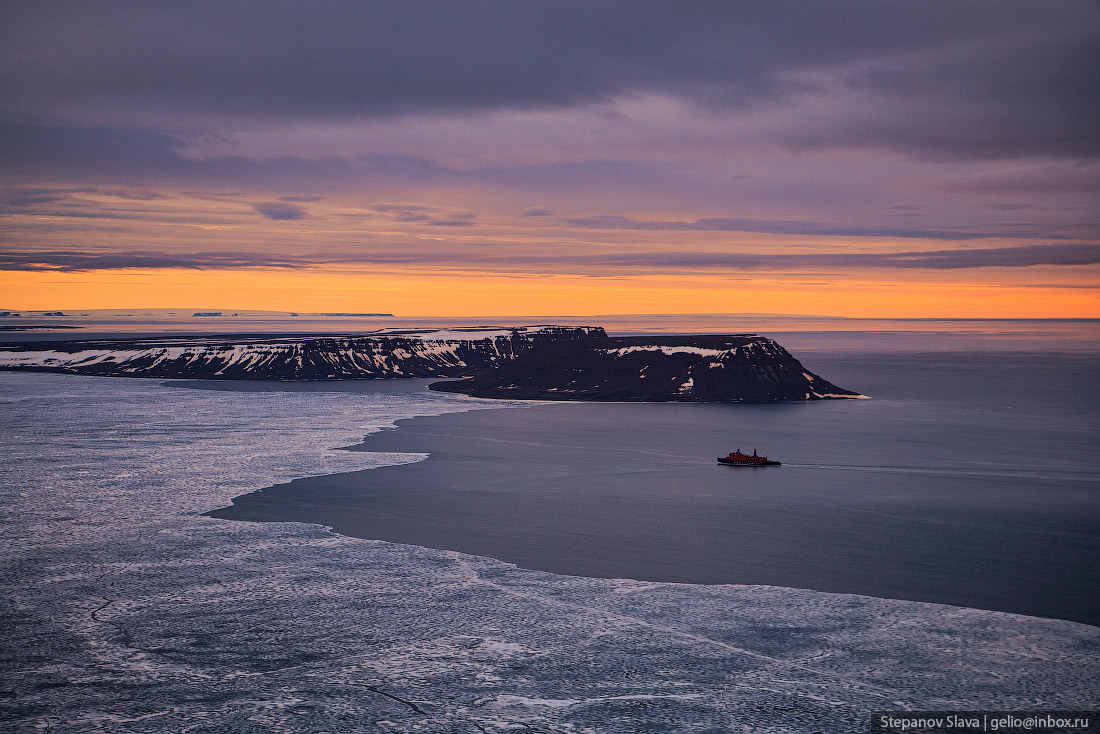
pixel 89 357
pixel 434 347
pixel 669 350
pixel 20 359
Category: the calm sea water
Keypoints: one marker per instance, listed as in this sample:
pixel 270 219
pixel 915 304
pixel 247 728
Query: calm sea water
pixel 968 479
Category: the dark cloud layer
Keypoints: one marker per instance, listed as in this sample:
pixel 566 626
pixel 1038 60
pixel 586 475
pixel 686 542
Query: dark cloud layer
pixel 28 196
pixel 770 226
pixel 280 210
pixel 78 203
pixel 79 261
pixel 943 77
pixel 286 58
pixel 136 157
pixel 133 156
pixel 1003 257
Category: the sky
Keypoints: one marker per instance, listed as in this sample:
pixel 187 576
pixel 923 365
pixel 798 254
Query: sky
pixel 863 159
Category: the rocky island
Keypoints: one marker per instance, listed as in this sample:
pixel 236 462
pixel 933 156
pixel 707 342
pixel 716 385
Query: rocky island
pixel 543 362
pixel 703 368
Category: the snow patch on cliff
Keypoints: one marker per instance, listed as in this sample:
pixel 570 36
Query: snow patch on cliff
pixel 669 350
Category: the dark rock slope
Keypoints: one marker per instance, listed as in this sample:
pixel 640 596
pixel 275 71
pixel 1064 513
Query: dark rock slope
pixel 742 368
pixel 393 353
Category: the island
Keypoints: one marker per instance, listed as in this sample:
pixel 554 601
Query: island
pixel 705 368
pixel 542 362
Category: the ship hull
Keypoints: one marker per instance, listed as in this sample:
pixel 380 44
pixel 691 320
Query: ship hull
pixel 733 462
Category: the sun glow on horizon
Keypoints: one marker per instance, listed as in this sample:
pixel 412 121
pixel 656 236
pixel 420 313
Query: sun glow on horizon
pixel 464 294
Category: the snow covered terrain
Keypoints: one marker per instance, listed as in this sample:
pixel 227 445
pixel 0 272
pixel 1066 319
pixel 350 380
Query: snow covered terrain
pixel 385 353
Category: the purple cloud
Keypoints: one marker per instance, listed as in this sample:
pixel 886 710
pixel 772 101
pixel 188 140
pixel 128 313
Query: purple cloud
pixel 1001 257
pixel 926 78
pixel 78 261
pixel 770 226
pixel 280 210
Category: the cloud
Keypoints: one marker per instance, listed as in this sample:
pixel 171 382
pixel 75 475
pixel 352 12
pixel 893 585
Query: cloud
pixel 402 208
pixel 27 196
pixel 213 195
pixel 811 120
pixel 79 203
pixel 768 226
pixel 933 77
pixel 280 210
pixel 1003 257
pixel 1041 178
pixel 19 198
pixel 79 261
pixel 426 214
pixel 405 212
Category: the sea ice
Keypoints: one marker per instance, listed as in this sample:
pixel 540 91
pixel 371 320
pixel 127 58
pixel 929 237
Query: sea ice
pixel 124 609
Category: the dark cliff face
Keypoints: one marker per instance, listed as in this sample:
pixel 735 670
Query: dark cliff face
pixel 743 368
pixel 450 353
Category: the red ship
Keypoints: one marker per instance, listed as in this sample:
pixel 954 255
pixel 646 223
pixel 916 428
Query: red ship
pixel 738 459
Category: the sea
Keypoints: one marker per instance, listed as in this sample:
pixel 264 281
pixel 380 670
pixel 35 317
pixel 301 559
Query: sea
pixel 966 479
pixel 126 608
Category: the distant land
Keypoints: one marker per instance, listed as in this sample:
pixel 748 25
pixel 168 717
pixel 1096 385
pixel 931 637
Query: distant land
pixel 544 362
pixel 805 335
pixel 192 312
pixel 210 314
